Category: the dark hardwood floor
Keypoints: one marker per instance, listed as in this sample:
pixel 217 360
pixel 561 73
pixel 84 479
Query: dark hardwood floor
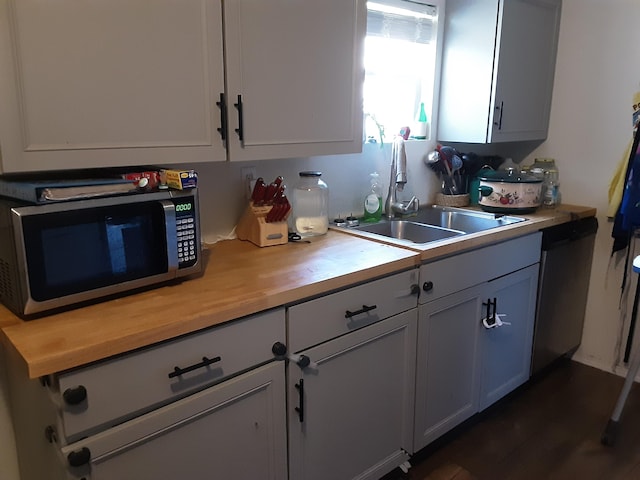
pixel 548 429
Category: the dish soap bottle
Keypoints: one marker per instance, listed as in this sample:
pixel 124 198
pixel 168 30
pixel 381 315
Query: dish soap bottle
pixel 373 200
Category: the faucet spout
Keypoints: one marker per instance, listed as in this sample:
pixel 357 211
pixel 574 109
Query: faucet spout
pixel 397 181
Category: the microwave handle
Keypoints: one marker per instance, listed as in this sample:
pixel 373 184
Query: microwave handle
pixel 172 234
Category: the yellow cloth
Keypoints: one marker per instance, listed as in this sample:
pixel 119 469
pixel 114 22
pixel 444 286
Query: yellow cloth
pixel 616 186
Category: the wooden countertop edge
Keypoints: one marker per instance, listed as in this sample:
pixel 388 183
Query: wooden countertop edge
pixel 47 345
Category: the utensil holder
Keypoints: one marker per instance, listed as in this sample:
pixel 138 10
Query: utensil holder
pixel 254 227
pixel 452 200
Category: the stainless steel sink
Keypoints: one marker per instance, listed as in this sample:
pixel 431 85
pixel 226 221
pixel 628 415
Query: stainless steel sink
pixel 463 220
pixel 435 223
pixel 409 230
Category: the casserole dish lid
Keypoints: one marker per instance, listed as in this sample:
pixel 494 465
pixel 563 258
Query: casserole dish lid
pixel 510 176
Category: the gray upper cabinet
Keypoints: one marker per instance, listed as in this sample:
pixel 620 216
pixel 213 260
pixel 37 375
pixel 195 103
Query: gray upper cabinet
pixel 498 69
pixel 298 69
pixel 109 83
pixel 116 83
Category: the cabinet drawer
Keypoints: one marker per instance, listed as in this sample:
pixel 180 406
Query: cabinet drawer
pixel 127 386
pixel 456 273
pixel 324 318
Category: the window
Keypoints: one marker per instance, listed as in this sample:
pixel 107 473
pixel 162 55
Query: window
pixel 401 61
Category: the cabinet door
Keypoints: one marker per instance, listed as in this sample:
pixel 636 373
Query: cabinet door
pixel 506 350
pixel 525 65
pixel 446 372
pixel 233 430
pixel 498 67
pixel 109 83
pixel 297 68
pixel 350 416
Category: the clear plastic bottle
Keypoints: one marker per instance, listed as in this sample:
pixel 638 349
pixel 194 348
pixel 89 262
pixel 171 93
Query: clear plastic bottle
pixel 550 188
pixel 373 200
pixel 310 201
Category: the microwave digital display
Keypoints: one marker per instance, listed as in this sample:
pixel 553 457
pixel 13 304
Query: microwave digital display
pixel 93 248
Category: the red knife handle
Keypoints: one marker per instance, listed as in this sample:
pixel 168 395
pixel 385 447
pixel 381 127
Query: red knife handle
pixel 273 214
pixel 272 190
pixel 259 190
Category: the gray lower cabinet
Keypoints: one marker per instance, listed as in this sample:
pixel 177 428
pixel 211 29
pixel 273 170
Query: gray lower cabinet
pixel 233 430
pixel 211 404
pixel 350 414
pixel 376 372
pixel 474 344
pixel 447 373
pixel 506 350
pixel 351 392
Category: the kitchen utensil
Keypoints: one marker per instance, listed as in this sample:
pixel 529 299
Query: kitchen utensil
pixel 259 190
pixel 503 191
pixel 449 186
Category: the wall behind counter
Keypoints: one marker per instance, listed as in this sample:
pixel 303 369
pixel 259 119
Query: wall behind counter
pixel 222 192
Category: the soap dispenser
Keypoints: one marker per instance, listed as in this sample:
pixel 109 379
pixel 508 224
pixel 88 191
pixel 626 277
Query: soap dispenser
pixel 373 200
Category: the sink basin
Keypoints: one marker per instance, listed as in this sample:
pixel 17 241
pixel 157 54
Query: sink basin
pixel 463 220
pixel 437 223
pixel 409 230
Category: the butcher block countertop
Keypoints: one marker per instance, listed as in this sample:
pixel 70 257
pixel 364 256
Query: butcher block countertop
pixel 239 279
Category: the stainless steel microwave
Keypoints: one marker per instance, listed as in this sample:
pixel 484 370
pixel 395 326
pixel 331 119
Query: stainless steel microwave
pixel 61 254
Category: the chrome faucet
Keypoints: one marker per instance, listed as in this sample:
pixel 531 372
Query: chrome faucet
pixel 397 181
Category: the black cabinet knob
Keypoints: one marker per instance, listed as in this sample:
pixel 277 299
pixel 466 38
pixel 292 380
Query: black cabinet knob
pixel 74 396
pixel 415 289
pixel 279 349
pixel 79 457
pixel 427 286
pixel 303 361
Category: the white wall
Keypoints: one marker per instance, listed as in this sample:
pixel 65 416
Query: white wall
pixel 222 201
pixel 597 74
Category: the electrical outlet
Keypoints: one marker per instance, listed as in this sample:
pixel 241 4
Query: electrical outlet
pixel 248 175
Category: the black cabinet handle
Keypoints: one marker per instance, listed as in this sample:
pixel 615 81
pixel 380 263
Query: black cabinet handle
pixel 495 309
pixel 300 408
pixel 177 371
pixel 364 309
pixel 224 123
pixel 415 289
pixel 74 396
pixel 499 122
pixel 240 129
pixel 79 457
pixel 492 308
pixel 488 315
pixel 427 286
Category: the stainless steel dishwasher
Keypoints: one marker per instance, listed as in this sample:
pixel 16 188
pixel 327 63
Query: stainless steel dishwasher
pixel 565 269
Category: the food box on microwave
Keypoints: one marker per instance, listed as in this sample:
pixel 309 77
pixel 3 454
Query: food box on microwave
pixel 181 179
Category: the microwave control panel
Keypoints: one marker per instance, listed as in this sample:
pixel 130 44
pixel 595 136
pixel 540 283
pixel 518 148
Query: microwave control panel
pixel 186 232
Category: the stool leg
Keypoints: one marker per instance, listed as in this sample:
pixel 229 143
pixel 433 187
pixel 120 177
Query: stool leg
pixel 611 430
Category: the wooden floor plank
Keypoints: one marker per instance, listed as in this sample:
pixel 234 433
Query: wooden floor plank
pixel 548 429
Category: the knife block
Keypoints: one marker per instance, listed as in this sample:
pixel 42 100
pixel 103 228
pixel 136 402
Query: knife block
pixel 253 226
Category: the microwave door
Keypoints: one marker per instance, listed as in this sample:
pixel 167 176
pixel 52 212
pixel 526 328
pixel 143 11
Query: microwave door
pixel 82 254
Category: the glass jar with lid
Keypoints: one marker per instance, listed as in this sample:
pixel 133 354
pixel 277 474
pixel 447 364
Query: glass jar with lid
pixel 310 202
